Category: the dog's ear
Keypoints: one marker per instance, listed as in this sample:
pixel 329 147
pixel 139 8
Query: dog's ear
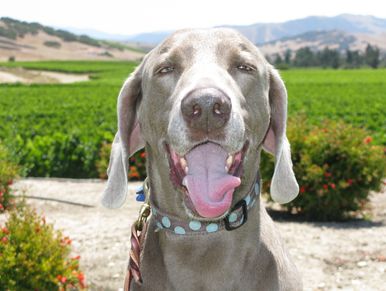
pixel 284 186
pixel 127 141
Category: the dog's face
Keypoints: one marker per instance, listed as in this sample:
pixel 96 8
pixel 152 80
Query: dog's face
pixel 205 102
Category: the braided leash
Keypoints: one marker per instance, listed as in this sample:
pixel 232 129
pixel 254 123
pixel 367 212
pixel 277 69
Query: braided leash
pixel 138 234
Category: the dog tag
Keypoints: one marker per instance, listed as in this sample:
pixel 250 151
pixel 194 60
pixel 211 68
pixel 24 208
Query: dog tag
pixel 140 194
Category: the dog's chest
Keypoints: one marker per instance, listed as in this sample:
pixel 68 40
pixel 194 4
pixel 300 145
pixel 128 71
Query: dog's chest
pixel 212 262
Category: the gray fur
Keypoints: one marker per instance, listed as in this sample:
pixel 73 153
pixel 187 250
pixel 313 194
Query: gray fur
pixel 251 257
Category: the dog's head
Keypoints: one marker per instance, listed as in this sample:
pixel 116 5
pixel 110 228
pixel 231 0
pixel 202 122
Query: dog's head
pixel 205 102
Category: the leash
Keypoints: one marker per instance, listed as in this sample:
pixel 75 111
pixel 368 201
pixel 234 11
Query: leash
pixel 138 234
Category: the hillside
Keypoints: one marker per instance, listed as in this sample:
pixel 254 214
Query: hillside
pixel 261 33
pixel 333 39
pixel 338 32
pixel 33 41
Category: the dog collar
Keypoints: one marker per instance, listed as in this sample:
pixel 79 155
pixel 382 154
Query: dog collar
pixel 235 219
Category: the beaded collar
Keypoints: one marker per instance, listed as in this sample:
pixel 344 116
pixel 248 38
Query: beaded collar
pixel 235 219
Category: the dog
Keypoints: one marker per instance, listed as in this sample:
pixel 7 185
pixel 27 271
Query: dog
pixel 204 103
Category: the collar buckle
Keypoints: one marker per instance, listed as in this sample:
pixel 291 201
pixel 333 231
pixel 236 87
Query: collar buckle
pixel 242 204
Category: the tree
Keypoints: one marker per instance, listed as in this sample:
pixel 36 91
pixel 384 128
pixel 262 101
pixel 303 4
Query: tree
pixel 372 56
pixel 354 59
pixel 278 60
pixel 305 57
pixel 329 58
pixel 287 56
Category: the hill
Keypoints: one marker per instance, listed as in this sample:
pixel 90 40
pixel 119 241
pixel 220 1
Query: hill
pixel 261 33
pixel 339 32
pixel 34 41
pixel 333 39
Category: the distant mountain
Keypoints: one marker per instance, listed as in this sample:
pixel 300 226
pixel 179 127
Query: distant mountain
pixel 150 38
pixel 98 34
pixel 34 41
pixel 317 40
pixel 27 41
pixel 261 33
pixel 340 31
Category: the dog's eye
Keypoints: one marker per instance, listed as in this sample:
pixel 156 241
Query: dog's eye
pixel 165 70
pixel 246 68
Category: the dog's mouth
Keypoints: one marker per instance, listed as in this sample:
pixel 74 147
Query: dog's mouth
pixel 208 175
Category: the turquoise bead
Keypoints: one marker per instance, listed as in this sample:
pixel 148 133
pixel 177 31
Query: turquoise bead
pixel 212 227
pixel 166 221
pixel 232 217
pixel 247 199
pixel 179 230
pixel 195 225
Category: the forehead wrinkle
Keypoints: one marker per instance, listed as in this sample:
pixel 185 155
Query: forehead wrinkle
pixel 243 47
pixel 164 50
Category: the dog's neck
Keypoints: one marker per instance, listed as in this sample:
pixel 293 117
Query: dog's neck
pixel 234 219
pixel 171 215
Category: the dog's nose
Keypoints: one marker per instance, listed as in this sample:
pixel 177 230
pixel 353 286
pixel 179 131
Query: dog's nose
pixel 206 109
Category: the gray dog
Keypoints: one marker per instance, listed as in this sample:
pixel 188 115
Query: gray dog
pixel 203 104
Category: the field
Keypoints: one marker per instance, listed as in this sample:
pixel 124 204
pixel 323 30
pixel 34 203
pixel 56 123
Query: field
pixel 58 129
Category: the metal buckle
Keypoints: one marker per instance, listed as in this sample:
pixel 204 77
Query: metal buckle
pixel 241 204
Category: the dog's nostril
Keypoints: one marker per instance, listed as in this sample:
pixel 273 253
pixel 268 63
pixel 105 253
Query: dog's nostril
pixel 217 109
pixel 196 110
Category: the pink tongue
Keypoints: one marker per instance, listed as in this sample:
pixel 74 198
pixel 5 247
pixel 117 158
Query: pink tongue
pixel 209 186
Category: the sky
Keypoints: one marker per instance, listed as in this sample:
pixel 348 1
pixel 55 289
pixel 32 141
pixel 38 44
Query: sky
pixel 127 17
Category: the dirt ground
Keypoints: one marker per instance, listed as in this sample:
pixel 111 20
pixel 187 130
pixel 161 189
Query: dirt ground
pixel 331 256
pixel 19 75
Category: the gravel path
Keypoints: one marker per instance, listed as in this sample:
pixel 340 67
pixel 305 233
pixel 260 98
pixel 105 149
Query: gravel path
pixel 331 256
pixel 20 75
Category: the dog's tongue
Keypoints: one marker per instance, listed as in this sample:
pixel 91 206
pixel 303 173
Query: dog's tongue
pixel 210 187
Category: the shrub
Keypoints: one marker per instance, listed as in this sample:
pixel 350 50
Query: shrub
pixel 8 172
pixel 53 44
pixel 33 256
pixel 137 170
pixel 336 166
pixel 103 162
pixel 137 166
pixel 88 40
pixel 106 54
pixel 60 155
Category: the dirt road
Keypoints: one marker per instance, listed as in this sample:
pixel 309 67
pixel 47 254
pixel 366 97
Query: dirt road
pixel 331 256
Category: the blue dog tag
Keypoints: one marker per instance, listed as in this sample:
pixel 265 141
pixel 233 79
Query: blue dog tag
pixel 140 194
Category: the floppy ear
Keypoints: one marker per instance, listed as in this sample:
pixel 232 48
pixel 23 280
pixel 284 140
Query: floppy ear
pixel 284 186
pixel 127 141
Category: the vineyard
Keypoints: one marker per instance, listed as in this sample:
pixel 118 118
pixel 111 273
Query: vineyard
pixel 59 129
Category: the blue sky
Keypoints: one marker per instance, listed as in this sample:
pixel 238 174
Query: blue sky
pixel 131 17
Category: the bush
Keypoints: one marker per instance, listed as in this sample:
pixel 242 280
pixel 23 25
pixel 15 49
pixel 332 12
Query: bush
pixel 137 166
pixel 53 44
pixel 33 256
pixel 60 155
pixel 137 170
pixel 8 172
pixel 336 166
pixel 88 40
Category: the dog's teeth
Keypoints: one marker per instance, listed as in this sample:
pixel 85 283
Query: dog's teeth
pixel 184 181
pixel 186 169
pixel 226 169
pixel 229 161
pixel 183 163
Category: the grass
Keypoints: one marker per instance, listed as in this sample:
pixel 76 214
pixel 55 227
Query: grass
pixel 58 129
pixel 354 96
